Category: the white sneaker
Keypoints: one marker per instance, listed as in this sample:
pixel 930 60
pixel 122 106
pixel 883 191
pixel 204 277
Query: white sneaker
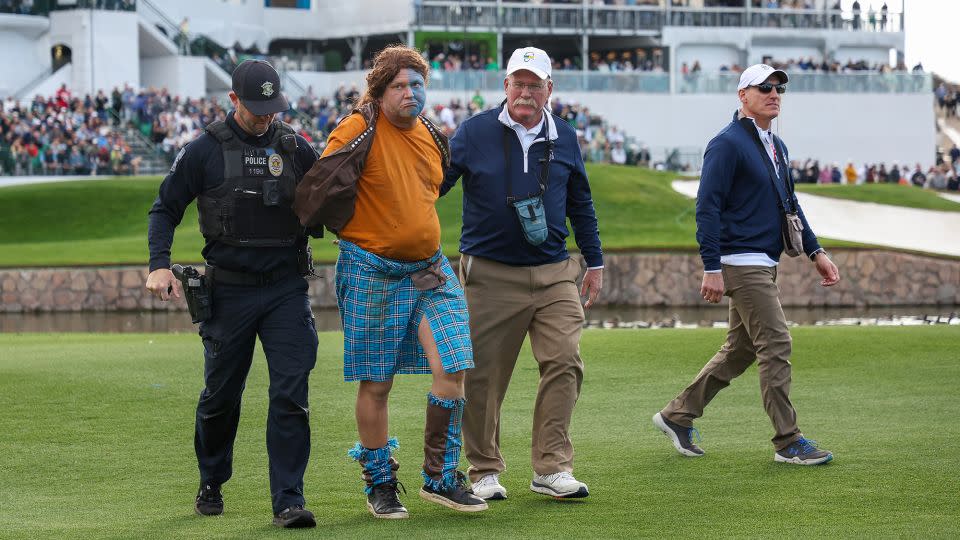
pixel 488 487
pixel 561 485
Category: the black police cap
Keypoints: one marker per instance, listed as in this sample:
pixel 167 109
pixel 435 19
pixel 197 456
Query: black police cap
pixel 257 85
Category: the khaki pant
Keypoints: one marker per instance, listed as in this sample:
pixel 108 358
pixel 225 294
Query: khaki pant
pixel 506 303
pixel 758 330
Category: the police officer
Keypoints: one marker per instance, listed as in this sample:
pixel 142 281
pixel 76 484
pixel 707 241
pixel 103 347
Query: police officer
pixel 243 172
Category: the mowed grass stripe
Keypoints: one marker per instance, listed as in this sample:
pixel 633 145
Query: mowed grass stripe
pixel 98 433
pixel 105 221
pixel 100 222
pixel 892 194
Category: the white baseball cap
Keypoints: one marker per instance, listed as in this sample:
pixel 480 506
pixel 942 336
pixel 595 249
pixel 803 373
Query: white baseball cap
pixel 531 59
pixel 758 73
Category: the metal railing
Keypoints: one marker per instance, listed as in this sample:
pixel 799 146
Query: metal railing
pixel 290 87
pixel 869 82
pixel 170 28
pixel 571 81
pixel 39 78
pixel 695 83
pixel 781 18
pixel 567 18
pixel 189 43
pixel 44 8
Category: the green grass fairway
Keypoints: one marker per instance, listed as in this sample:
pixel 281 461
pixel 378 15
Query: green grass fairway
pixel 105 221
pixel 100 222
pixel 97 442
pixel 892 194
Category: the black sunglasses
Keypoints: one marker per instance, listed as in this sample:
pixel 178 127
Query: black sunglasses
pixel 766 87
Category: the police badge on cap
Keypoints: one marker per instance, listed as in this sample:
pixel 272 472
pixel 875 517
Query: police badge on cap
pixel 257 85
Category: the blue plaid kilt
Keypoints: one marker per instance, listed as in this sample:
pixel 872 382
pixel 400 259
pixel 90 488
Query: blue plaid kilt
pixel 380 310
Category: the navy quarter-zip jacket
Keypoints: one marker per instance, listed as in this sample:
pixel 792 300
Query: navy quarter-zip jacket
pixel 737 204
pixel 491 228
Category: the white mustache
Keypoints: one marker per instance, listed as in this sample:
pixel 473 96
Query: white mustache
pixel 523 101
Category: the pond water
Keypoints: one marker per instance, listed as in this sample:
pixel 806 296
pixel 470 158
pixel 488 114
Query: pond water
pixel 603 317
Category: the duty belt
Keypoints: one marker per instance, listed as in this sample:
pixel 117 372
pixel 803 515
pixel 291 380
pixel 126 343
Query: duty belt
pixel 247 279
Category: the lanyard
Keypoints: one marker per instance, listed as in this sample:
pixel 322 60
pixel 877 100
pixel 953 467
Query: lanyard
pixel 785 200
pixel 542 179
pixel 773 151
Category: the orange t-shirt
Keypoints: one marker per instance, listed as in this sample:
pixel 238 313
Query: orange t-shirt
pixel 395 216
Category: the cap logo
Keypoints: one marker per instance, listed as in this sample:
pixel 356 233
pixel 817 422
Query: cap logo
pixel 527 56
pixel 267 88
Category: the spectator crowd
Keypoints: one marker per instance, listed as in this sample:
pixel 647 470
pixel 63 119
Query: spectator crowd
pixel 944 175
pixel 947 96
pixel 599 140
pixel 63 134
pixel 66 134
pixel 652 60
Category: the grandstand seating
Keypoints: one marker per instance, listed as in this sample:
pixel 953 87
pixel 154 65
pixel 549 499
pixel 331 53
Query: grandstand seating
pixel 196 59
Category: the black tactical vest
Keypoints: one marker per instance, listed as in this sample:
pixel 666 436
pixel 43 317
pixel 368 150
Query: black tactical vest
pixel 252 206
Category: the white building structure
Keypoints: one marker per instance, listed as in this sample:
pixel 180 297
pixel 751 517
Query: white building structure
pixel 859 117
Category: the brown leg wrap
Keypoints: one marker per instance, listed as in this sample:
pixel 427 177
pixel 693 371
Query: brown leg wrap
pixel 435 440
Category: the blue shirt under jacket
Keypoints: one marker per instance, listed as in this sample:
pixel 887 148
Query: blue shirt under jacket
pixel 491 228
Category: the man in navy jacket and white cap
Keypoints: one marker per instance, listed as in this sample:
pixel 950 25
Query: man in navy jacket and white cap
pixel 745 196
pixel 523 176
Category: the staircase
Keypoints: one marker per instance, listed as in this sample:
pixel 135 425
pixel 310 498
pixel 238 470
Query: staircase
pixel 163 32
pixel 948 131
pixel 152 159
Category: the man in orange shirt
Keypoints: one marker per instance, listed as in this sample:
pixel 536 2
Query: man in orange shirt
pixel 402 309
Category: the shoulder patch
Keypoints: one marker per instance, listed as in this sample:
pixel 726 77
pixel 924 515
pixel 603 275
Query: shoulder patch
pixel 176 161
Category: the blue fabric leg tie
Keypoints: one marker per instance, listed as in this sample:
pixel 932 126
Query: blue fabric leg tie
pixel 379 465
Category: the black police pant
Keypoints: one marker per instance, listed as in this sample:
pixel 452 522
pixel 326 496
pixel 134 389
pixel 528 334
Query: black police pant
pixel 280 315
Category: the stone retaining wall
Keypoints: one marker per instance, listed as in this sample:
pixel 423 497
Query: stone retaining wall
pixel 870 278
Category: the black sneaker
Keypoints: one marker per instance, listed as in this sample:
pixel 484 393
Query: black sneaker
pixel 680 436
pixel 384 503
pixel 457 497
pixel 803 452
pixel 295 517
pixel 209 500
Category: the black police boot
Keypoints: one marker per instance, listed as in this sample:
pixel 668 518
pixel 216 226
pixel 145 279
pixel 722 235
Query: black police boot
pixel 383 502
pixel 209 500
pixel 295 517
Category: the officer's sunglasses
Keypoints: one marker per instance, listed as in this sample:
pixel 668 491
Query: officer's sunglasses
pixel 766 87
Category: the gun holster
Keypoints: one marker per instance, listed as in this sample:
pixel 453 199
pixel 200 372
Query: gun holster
pixel 305 261
pixel 196 290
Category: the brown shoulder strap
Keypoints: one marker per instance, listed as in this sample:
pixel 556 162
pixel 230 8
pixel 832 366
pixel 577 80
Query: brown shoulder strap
pixel 369 112
pixel 439 138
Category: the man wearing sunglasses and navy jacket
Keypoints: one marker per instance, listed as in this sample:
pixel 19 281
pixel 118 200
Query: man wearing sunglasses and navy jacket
pixel 745 193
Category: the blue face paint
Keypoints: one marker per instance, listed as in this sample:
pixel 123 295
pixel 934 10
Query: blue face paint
pixel 419 89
